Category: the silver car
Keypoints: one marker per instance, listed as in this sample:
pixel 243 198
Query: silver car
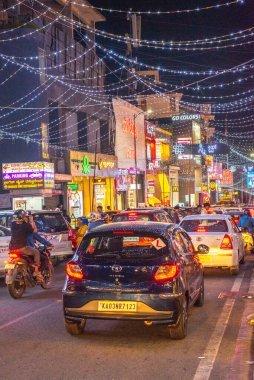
pixel 51 225
pixel 5 236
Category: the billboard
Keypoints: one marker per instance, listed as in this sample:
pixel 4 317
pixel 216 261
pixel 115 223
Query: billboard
pixel 128 130
pixel 28 175
pixel 250 180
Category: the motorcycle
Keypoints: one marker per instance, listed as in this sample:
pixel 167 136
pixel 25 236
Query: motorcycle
pixel 20 272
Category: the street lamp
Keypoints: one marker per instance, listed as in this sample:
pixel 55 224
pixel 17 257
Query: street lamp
pixel 148 112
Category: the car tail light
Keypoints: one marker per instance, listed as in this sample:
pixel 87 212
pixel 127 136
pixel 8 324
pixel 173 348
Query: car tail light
pixel 166 272
pixel 202 229
pixel 236 220
pixel 133 213
pixel 74 271
pixel 13 255
pixel 226 243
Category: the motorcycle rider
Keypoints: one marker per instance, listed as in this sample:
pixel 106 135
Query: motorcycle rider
pixel 246 221
pixel 21 228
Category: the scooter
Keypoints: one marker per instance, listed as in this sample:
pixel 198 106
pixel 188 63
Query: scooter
pixel 20 272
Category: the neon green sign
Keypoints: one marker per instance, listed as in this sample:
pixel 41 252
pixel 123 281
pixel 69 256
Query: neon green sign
pixel 85 165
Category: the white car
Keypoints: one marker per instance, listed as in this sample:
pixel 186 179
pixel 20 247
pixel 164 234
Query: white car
pixel 5 237
pixel 217 240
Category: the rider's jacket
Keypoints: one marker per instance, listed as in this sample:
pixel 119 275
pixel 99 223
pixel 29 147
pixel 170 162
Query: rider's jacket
pixel 19 234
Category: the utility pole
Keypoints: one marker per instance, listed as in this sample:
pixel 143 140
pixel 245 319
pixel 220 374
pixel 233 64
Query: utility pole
pixel 226 134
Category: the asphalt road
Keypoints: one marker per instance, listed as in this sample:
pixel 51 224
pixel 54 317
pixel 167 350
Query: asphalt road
pixel 34 343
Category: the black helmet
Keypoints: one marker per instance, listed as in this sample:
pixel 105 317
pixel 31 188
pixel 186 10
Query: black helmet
pixel 20 214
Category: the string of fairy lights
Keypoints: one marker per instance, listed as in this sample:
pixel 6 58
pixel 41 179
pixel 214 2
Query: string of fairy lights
pixel 161 12
pixel 99 97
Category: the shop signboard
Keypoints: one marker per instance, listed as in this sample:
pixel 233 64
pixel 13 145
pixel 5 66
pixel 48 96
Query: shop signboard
pixel 196 132
pixel 186 117
pixel 72 186
pixel 208 160
pixel 99 181
pixel 226 195
pixel 130 129
pixel 183 142
pixel 250 180
pixel 183 146
pixel 215 171
pixel 212 185
pixel 150 130
pixel 86 165
pixel 227 178
pixel 28 175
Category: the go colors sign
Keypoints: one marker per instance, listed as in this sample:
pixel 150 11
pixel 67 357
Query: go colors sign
pixel 28 175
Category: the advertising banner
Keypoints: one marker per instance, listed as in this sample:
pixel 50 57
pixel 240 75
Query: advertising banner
pixel 28 175
pixel 250 180
pixel 130 125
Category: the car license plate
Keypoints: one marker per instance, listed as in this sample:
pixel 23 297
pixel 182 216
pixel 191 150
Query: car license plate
pixel 120 306
pixel 9 266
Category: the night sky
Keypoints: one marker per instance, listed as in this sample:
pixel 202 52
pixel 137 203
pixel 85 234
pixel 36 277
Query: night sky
pixel 197 25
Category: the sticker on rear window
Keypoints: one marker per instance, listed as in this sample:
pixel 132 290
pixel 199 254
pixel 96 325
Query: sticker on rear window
pixel 158 244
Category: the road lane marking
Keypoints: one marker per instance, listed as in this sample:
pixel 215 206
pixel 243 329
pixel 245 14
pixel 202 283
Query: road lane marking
pixel 205 366
pixel 16 320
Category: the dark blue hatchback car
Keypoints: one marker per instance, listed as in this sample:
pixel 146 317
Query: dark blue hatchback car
pixel 133 271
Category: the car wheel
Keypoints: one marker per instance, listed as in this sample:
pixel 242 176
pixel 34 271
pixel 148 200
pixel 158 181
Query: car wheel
pixel 18 286
pixel 180 330
pixel 75 328
pixel 47 274
pixel 201 298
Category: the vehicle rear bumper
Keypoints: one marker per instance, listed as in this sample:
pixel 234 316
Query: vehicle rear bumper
pixel 150 307
pixel 218 259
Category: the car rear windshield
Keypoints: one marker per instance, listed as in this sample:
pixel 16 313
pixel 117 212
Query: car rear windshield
pixel 124 246
pixel 50 223
pixel 133 217
pixel 205 225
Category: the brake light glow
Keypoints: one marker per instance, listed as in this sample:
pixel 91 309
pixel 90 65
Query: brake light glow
pixel 122 232
pixel 132 213
pixel 201 229
pixel 13 255
pixel 166 272
pixel 74 271
pixel 226 243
